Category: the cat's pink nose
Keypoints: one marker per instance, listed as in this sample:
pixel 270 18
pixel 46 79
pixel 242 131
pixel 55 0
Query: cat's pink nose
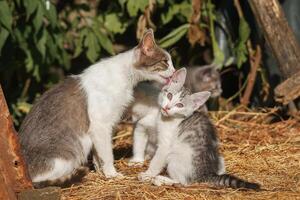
pixel 166 108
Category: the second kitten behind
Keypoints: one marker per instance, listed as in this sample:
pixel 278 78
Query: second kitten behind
pixel 188 144
pixel 145 108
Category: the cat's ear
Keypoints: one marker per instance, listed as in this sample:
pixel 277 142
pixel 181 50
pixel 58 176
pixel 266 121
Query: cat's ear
pixel 200 98
pixel 206 73
pixel 177 80
pixel 179 76
pixel 147 43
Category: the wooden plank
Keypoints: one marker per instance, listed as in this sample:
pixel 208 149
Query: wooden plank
pixel 284 46
pixel 278 34
pixel 48 193
pixel 12 166
pixel 288 90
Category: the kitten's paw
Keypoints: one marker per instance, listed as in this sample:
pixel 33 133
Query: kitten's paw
pixel 112 174
pixel 144 176
pixel 135 162
pixel 115 175
pixel 163 180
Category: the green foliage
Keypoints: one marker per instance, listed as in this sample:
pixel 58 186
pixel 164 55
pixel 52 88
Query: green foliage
pixel 134 6
pixel 241 47
pixel 219 57
pixel 5 15
pixel 174 36
pixel 41 40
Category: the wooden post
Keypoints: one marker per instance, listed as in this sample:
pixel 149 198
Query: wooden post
pixel 283 43
pixel 13 174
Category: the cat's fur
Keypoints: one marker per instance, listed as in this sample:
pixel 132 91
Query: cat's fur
pixel 79 113
pixel 145 107
pixel 204 78
pixel 188 144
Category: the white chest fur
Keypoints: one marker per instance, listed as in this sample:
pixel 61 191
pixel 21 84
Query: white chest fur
pixel 109 90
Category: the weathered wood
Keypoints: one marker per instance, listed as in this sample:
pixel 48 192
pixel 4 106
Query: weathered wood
pixel 5 191
pixel 12 166
pixel 289 89
pixel 283 43
pixel 278 34
pixel 49 193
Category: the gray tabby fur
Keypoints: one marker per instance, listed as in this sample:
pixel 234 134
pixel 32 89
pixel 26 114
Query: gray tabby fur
pixel 145 108
pixel 188 144
pixel 78 115
pixel 72 102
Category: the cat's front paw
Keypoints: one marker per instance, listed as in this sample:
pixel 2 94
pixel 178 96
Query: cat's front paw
pixel 115 175
pixel 112 174
pixel 136 162
pixel 163 180
pixel 144 176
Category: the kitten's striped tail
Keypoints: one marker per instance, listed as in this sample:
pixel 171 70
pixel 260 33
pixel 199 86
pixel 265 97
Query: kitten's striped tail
pixel 227 180
pixel 65 181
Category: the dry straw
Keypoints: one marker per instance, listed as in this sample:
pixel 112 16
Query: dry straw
pixel 253 149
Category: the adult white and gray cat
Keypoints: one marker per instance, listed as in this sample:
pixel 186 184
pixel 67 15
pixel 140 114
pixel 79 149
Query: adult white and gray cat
pixel 79 113
pixel 145 107
pixel 188 144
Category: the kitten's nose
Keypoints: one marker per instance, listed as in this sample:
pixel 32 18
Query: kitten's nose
pixel 166 108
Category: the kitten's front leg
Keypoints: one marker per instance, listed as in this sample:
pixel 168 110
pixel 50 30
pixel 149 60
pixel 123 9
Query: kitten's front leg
pixel 157 164
pixel 102 141
pixel 140 139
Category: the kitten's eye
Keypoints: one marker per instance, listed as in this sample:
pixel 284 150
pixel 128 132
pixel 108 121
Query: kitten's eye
pixel 179 105
pixel 169 95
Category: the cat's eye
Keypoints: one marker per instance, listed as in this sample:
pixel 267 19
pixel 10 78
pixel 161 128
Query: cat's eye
pixel 169 95
pixel 165 62
pixel 179 105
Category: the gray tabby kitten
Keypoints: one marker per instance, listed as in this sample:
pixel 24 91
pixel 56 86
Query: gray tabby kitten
pixel 188 144
pixel 145 108
pixel 203 78
pixel 79 114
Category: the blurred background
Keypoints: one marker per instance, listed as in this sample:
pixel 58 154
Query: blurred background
pixel 42 41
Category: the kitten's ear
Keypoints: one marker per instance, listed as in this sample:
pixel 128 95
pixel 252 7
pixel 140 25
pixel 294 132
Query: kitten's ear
pixel 179 76
pixel 177 80
pixel 147 43
pixel 200 98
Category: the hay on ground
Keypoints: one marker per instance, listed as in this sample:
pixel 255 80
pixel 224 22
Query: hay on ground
pixel 253 150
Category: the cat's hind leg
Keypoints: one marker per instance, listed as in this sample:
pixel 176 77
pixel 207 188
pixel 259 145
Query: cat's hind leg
pixel 61 173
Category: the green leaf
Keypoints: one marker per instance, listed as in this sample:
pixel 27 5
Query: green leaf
pixel 66 60
pixel 41 44
pixel 174 36
pixel 5 15
pixel 91 43
pixel 79 41
pixel 29 64
pixel 182 9
pixel 103 40
pixel 30 6
pixel 113 23
pixel 219 57
pixel 36 73
pixel 3 36
pixel 244 30
pixel 51 47
pixel 241 47
pixel 51 15
pixel 122 3
pixel 38 18
pixel 133 6
pixel 161 2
